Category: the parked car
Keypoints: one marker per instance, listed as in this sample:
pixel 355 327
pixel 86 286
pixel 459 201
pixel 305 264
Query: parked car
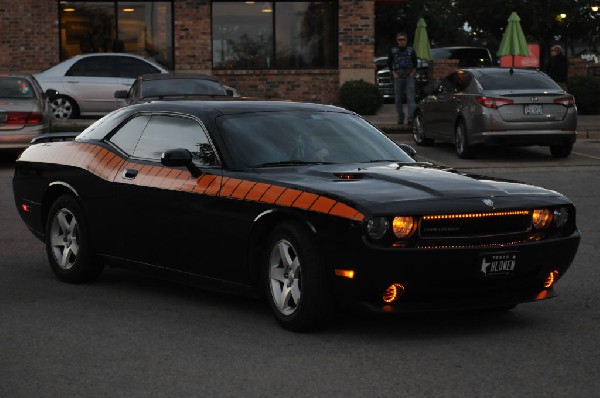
pixel 497 106
pixel 24 110
pixel 466 56
pixel 87 83
pixel 171 86
pixel 305 204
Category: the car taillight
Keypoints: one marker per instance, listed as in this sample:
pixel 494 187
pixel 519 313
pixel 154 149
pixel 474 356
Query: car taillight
pixel 23 117
pixel 491 102
pixel 569 102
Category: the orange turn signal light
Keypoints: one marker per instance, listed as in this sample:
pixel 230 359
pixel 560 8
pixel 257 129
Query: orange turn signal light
pixel 393 292
pixel 345 273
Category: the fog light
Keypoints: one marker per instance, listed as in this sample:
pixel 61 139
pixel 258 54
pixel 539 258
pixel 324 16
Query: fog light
pixel 345 273
pixel 551 279
pixel 393 292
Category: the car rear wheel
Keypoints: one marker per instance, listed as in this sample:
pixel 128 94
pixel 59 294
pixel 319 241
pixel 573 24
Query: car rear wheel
pixel 68 243
pixel 561 151
pixel 463 149
pixel 296 281
pixel 418 133
pixel 64 107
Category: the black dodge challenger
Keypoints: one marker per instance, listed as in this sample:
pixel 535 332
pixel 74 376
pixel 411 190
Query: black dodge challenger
pixel 307 204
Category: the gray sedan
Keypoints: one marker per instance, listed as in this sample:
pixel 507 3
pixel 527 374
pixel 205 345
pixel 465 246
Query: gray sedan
pixel 24 111
pixel 497 106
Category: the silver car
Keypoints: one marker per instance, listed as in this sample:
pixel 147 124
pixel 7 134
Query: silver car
pixel 24 111
pixel 87 83
pixel 497 106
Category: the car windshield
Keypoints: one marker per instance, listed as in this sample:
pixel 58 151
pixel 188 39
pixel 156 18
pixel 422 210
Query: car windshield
pixel 181 87
pixel 516 81
pixel 267 139
pixel 14 87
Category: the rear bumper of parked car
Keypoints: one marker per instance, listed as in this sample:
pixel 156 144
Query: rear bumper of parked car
pixel 20 138
pixel 523 137
pixel 447 279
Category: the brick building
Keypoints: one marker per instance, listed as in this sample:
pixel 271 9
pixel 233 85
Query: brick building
pixel 288 49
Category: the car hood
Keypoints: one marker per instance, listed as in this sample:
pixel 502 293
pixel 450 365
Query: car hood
pixel 392 187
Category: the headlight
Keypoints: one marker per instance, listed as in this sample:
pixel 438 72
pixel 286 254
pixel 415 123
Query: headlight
pixel 560 217
pixel 377 227
pixel 403 226
pixel 541 218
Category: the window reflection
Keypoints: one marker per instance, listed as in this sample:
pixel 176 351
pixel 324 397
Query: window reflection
pixel 136 27
pixel 263 35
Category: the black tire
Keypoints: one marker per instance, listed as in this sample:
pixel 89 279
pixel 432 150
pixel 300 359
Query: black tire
pixel 297 285
pixel 461 142
pixel 68 244
pixel 561 151
pixel 64 107
pixel 418 133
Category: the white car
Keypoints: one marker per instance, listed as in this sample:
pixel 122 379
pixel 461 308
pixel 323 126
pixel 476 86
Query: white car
pixel 86 83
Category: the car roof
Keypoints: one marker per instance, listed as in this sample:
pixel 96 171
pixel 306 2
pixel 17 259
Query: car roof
pixel 499 70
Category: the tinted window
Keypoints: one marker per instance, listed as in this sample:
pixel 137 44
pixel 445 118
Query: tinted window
pixel 166 87
pixel 467 57
pixel 516 81
pixel 93 66
pixel 128 136
pixel 130 67
pixel 13 87
pixel 168 132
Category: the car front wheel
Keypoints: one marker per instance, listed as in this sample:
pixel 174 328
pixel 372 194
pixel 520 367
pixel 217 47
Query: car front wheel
pixel 68 243
pixel 296 282
pixel 64 108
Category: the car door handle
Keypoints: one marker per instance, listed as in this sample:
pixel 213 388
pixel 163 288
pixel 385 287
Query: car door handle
pixel 73 81
pixel 130 174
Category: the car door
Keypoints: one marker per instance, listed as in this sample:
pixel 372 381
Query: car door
pixel 166 220
pixel 448 98
pixel 92 81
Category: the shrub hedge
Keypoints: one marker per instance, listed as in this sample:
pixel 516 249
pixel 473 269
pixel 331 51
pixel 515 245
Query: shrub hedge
pixel 361 97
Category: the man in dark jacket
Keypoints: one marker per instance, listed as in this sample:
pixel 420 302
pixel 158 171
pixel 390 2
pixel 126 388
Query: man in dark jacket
pixel 402 62
pixel 557 66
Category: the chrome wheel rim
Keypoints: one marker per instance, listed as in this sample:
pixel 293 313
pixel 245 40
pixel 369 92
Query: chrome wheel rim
pixel 285 277
pixel 62 108
pixel 418 130
pixel 64 239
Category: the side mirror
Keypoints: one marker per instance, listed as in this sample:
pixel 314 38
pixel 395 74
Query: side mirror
pixel 121 94
pixel 180 158
pixel 51 94
pixel 410 151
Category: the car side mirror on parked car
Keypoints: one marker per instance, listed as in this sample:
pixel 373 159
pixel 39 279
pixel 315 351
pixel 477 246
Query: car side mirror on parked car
pixel 122 94
pixel 180 157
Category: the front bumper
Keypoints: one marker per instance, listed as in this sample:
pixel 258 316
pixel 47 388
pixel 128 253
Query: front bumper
pixel 445 279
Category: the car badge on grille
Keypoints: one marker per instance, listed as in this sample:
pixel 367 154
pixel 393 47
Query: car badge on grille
pixel 488 202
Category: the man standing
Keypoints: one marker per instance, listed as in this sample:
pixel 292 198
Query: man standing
pixel 402 62
pixel 557 66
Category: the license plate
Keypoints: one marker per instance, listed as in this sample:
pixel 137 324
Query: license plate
pixel 533 109
pixel 498 264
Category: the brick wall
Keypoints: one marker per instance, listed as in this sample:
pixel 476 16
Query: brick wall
pixel 192 35
pixel 29 38
pixel 439 69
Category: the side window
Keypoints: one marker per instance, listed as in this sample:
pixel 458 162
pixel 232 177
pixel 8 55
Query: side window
pixel 92 66
pixel 128 136
pixel 132 67
pixel 170 132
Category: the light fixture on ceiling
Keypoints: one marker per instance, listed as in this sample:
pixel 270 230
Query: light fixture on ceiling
pixel 128 9
pixel 69 9
pixel 595 8
pixel 267 7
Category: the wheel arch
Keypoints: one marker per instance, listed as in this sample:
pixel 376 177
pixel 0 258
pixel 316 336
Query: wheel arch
pixel 54 191
pixel 263 225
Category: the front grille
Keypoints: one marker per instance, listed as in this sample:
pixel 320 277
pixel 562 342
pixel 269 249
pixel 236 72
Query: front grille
pixel 475 225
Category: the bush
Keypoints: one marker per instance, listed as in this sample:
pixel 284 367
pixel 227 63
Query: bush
pixel 361 97
pixel 586 90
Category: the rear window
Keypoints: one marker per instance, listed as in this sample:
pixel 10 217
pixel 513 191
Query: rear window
pixel 12 87
pixel 181 87
pixel 516 81
pixel 467 57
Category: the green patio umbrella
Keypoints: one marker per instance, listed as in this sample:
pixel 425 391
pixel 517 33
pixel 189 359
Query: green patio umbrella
pixel 513 42
pixel 421 42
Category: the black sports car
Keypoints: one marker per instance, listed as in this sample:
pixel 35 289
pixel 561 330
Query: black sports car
pixel 308 204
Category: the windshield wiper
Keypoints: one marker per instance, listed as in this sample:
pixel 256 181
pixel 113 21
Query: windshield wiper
pixel 288 163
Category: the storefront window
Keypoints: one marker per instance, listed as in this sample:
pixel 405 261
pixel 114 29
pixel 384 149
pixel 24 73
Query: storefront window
pixel 136 27
pixel 279 34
